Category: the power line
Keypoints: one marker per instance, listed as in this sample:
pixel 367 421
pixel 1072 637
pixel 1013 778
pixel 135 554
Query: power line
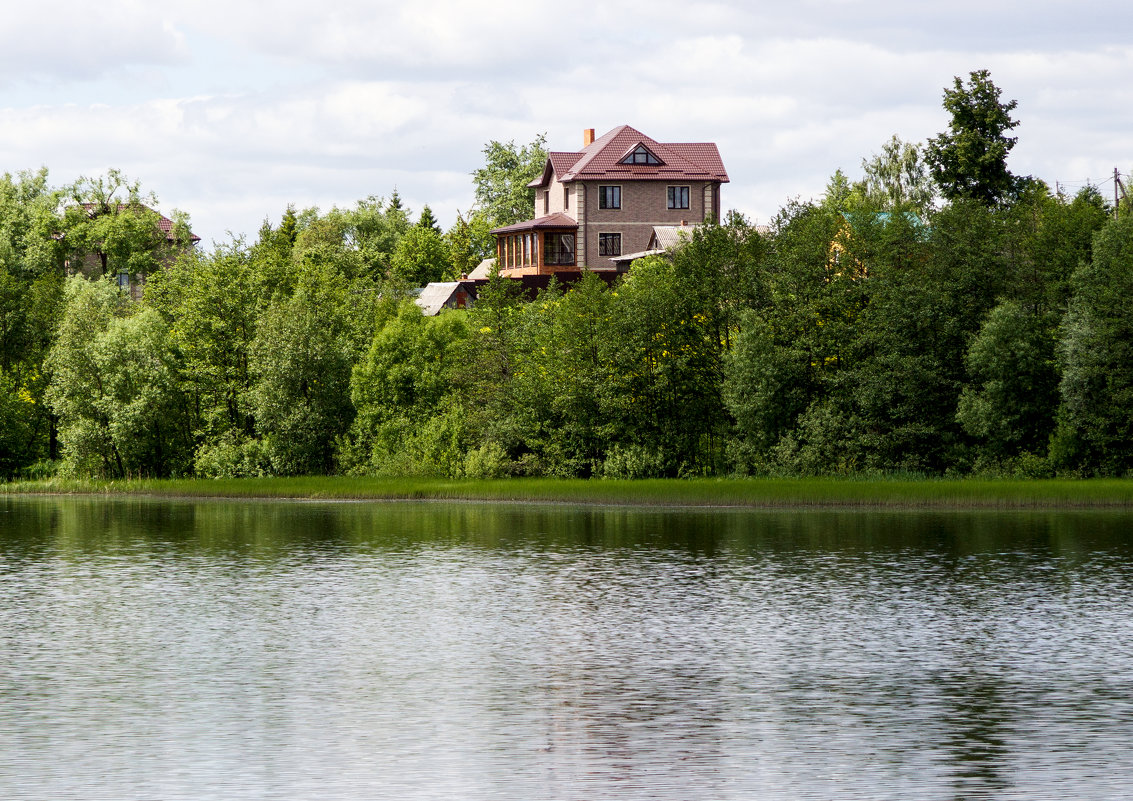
pixel 1096 183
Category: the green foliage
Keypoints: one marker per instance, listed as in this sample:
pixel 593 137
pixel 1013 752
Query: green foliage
pixel 666 360
pixel 404 394
pixel 969 160
pixel 31 259
pixel 29 225
pixel 1050 237
pixel 233 456
pixel 1095 419
pixel 213 304
pixel 1009 404
pixel 325 241
pixel 112 228
pixel 501 184
pixel 301 360
pixel 421 257
pixel 898 179
pixel 769 383
pixel 791 352
pixel 114 387
pixel 470 242
pixel 841 195
pixel 854 337
pixel 556 410
pixel 17 428
pixel 427 220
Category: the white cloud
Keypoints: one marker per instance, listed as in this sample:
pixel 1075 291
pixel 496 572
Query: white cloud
pixel 82 40
pixel 231 112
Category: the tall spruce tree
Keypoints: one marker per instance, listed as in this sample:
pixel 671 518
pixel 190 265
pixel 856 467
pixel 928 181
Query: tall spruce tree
pixel 969 160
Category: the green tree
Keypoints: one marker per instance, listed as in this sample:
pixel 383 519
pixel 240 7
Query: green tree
pixel 969 160
pixel 501 184
pixel 212 303
pixel 29 225
pixel 111 227
pixel 405 392
pixel 663 399
pixel 376 227
pixel 326 240
pixel 469 242
pixel 427 220
pixel 301 359
pixel 17 426
pixel 841 195
pixel 555 422
pixel 1095 418
pixel 794 347
pixel 114 387
pixel 1010 403
pixel 927 298
pixel 1052 236
pixel 897 178
pixel 421 257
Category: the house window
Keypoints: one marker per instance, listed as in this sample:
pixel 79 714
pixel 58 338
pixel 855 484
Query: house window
pixel 678 197
pixel 546 201
pixel 640 155
pixel 609 244
pixel 123 280
pixel 609 197
pixel 558 249
pixel 566 198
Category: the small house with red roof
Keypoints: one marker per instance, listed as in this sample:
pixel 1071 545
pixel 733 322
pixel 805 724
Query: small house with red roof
pixel 595 204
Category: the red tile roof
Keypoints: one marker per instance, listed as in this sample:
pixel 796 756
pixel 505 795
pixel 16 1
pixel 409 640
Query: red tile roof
pixel 556 220
pixel 602 159
pixel 163 222
pixel 558 163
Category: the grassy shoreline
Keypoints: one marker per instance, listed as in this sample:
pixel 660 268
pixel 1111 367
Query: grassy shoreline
pixel 749 493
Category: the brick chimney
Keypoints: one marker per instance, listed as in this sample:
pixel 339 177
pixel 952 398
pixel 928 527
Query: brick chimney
pixel 587 137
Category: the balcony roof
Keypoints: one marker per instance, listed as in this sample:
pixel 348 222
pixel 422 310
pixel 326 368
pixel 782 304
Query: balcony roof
pixel 556 221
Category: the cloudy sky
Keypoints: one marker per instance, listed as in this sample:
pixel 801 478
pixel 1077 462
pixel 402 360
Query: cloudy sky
pixel 230 110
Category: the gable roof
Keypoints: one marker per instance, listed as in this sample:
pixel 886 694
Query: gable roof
pixel 433 297
pixel 665 237
pixel 602 159
pixel 483 269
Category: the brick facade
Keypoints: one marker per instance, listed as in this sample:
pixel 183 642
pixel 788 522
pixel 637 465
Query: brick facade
pixel 569 190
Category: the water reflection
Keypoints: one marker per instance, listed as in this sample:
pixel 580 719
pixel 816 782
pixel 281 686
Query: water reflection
pixel 291 650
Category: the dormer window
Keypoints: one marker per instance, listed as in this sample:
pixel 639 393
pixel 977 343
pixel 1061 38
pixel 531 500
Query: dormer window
pixel 641 155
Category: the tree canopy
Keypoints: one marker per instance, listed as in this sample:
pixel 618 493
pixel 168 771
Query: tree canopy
pixel 969 160
pixel 986 334
pixel 501 184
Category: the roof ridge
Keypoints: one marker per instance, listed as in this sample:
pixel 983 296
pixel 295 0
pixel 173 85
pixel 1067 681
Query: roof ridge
pixel 599 158
pixel 598 146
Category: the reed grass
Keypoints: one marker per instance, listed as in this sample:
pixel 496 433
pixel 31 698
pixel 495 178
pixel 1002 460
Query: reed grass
pixel 759 492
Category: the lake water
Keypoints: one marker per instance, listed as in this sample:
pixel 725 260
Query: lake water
pixel 248 650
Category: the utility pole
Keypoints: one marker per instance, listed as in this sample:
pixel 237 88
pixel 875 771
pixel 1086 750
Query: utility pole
pixel 1117 183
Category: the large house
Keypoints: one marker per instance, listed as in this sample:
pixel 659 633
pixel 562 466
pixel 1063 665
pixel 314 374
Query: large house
pixel 595 204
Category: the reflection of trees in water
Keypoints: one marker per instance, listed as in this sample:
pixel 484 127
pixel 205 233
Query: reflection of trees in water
pixel 622 719
pixel 81 523
pixel 976 725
